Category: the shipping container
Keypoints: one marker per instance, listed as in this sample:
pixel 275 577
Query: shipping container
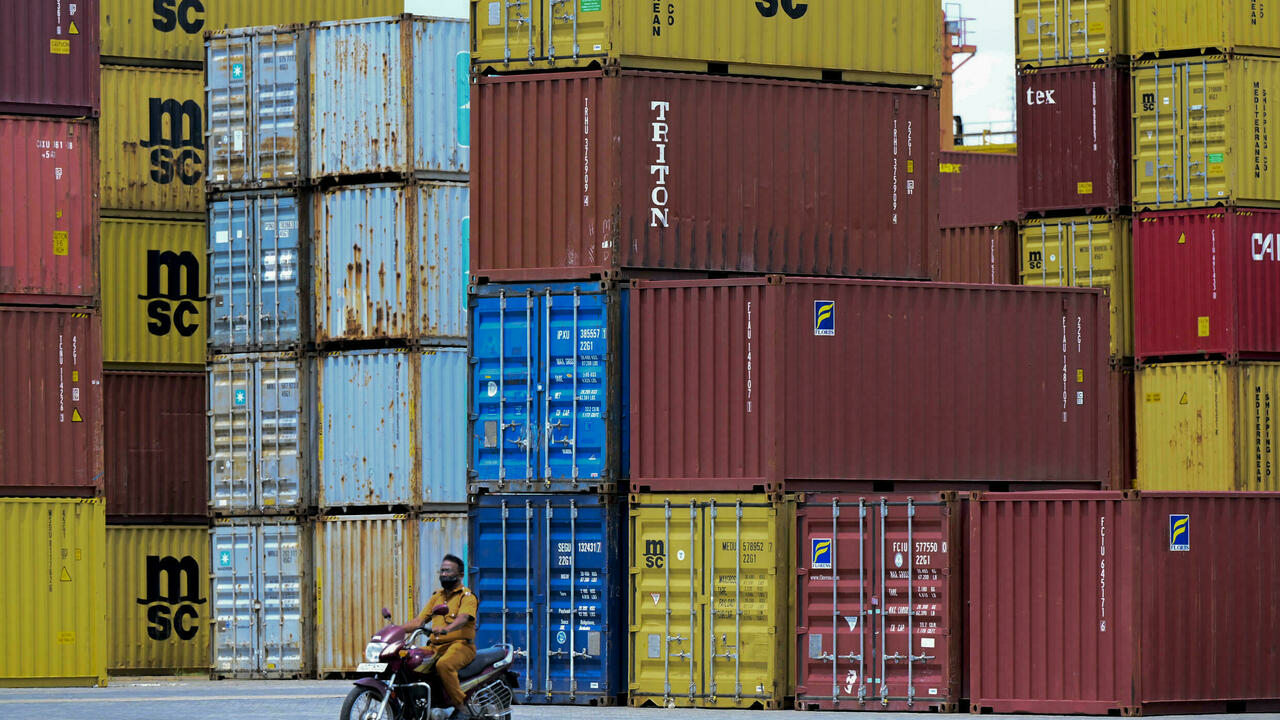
pixel 1112 603
pixel 813 384
pixel 154 309
pixel 1209 426
pixel 854 42
pixel 155 446
pixel 390 263
pixel 53 621
pixel 719 568
pixel 158 610
pixel 49 220
pixel 549 387
pixel 1093 251
pixel 1124 431
pixel 263 612
pixel 392 427
pixel 976 189
pixel 550 576
pixel 986 254
pixel 855 650
pixel 51 409
pixel 1070 32
pixel 1157 27
pixel 257 252
pixel 686 172
pixel 50 58
pixel 260 434
pixel 1074 129
pixel 1207 282
pixel 1202 133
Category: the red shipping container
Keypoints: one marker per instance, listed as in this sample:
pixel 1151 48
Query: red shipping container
pixel 1073 139
pixel 986 254
pixel 1207 283
pixel 777 384
pixel 155 445
pixel 49 58
pixel 48 211
pixel 51 406
pixel 584 174
pixel 977 188
pixel 1123 603
pixel 882 576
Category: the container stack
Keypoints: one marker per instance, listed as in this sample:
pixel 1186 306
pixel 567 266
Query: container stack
pixel 977 218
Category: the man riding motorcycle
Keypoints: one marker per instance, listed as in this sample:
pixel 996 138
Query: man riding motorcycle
pixel 453 634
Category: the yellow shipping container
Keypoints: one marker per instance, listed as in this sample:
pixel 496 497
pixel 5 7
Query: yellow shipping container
pixel 172 31
pixel 884 42
pixel 158 599
pixel 153 294
pixel 712 600
pixel 53 569
pixel 1202 132
pixel 1069 32
pixel 1240 26
pixel 1209 426
pixel 1089 252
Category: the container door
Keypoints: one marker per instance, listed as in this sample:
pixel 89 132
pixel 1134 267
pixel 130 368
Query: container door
pixel 503 537
pixel 278 316
pixel 275 84
pixel 231 434
pixel 504 30
pixel 279 599
pixel 579 547
pixel 505 367
pixel 1157 172
pixel 1088 29
pixel 279 433
pixel 235 593
pixel 576 28
pixel 231 273
pixel 1205 110
pixel 228 110
pixel 575 378
pixel 1045 249
pixel 1037 31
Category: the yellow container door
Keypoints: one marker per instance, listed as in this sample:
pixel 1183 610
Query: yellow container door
pixel 1187 426
pixel 1093 29
pixel 1205 151
pixel 1157 136
pixel 1038 41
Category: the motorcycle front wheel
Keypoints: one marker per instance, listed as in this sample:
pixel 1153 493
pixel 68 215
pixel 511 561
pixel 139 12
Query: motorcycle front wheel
pixel 361 704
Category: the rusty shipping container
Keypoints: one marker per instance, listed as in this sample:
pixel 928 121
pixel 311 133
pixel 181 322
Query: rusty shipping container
pixel 154 437
pixel 1123 603
pixel 48 211
pixel 813 384
pixel 49 52
pixel 986 254
pixel 1073 139
pixel 51 408
pixel 688 172
pixel 976 188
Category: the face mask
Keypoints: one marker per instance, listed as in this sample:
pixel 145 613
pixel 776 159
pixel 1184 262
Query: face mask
pixel 448 582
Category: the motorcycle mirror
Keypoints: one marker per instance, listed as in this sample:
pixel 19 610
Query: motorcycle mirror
pixel 386 614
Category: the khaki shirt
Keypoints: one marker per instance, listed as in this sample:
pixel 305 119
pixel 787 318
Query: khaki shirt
pixel 461 601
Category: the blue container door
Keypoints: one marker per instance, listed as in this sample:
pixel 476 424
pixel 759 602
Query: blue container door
pixel 502 567
pixel 504 398
pixel 278 315
pixel 231 272
pixel 576 377
pixel 278 114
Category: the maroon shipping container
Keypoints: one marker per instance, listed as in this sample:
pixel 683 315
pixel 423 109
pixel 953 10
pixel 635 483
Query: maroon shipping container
pixel 780 384
pixel 986 254
pixel 881 575
pixel 1073 139
pixel 51 405
pixel 155 429
pixel 1124 432
pixel 49 58
pixel 1207 282
pixel 1123 603
pixel 977 188
pixel 584 174
pixel 48 211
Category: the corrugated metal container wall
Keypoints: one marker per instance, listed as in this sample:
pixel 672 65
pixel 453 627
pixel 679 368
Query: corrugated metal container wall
pixel 1207 282
pixel 48 221
pixel 1110 603
pixel 1070 32
pixel 1161 26
pixel 1124 431
pixel 380 275
pixel 50 58
pixel 741 384
pixel 158 608
pixel 155 445
pixel 438 533
pixel 392 427
pixel 153 305
pixel 846 586
pixel 855 42
pixel 51 410
pixel 685 172
pixel 1209 426
pixel 262 602
pixel 419 106
pixel 729 578
pixel 987 255
pixel 976 189
pixel 259 434
pixel 1074 130
pixel 256 253
pixel 549 388
pixel 52 622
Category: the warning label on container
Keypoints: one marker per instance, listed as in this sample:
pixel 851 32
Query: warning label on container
pixel 60 242
pixel 59 47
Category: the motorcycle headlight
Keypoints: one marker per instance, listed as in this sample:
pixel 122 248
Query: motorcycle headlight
pixel 373 651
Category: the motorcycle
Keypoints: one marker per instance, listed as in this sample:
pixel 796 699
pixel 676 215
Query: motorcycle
pixel 403 685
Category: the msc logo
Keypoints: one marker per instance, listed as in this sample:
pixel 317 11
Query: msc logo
pixel 794 10
pixel 1180 533
pixel 1264 247
pixel 824 317
pixel 160 598
pixel 177 152
pixel 182 271
pixel 655 553
pixel 170 14
pixel 820 553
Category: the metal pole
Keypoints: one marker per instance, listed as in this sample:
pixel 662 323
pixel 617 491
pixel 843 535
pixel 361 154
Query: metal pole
pixel 546 682
pixel 502 384
pixel 573 596
pixel 862 611
pixel 835 604
pixel 576 369
pixel 884 599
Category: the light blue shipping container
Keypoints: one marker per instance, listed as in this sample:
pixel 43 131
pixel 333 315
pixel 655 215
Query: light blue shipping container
pixel 392 427
pixel 390 262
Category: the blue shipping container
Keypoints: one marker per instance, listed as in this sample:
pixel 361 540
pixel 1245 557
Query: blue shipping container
pixel 549 390
pixel 550 574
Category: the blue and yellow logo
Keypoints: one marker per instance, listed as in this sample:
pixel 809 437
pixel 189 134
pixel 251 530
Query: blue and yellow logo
pixel 824 317
pixel 820 557
pixel 1180 533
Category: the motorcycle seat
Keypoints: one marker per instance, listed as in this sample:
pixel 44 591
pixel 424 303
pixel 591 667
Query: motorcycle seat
pixel 484 658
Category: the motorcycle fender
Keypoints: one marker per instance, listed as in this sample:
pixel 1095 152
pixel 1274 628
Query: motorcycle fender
pixel 373 684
